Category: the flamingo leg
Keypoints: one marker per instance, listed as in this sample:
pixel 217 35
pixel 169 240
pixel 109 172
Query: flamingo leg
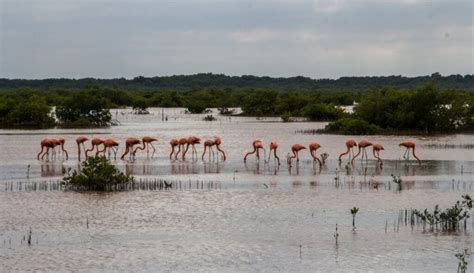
pixel 172 152
pixel 204 153
pixel 42 156
pixel 405 154
pixel 154 150
pixel 276 156
pixel 38 156
pixel 177 152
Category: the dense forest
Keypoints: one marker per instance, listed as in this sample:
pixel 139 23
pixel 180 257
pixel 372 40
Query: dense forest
pixel 209 80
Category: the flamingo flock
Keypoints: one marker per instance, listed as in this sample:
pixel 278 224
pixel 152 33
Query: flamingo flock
pixel 212 146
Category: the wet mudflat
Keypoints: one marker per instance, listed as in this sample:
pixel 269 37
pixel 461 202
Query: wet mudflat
pixel 230 216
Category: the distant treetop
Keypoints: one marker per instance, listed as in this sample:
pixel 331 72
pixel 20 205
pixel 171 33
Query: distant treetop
pixel 207 80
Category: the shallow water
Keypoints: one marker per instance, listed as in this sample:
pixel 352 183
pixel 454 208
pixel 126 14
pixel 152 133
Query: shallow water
pixel 231 216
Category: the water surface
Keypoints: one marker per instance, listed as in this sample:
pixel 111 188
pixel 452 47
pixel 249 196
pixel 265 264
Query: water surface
pixel 230 216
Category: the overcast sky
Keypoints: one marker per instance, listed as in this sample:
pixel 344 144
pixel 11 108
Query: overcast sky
pixel 318 38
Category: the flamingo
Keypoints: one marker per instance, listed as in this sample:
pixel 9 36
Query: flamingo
pixel 129 143
pixel 95 144
pixel 376 148
pixel 48 143
pixel 363 144
pixel 208 144
pixel 218 142
pixel 273 147
pixel 350 145
pixel 312 150
pixel 62 141
pixel 147 141
pixel 109 144
pixel 80 141
pixel 257 145
pixel 409 145
pixel 174 142
pixel 295 148
pixel 181 143
pixel 191 141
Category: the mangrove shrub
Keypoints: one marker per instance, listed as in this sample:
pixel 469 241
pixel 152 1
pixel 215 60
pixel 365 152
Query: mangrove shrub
pixel 84 108
pixel 352 126
pixel 96 173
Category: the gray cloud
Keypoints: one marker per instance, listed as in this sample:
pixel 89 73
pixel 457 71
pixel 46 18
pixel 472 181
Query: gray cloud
pixel 320 38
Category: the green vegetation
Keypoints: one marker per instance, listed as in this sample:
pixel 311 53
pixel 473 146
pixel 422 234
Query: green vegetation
pixel 286 117
pixel 246 82
pixel 209 118
pixel 352 126
pixel 449 219
pixel 424 110
pixel 354 212
pixel 83 109
pixel 381 109
pixel 96 173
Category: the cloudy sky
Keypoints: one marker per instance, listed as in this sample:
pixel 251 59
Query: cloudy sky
pixel 318 38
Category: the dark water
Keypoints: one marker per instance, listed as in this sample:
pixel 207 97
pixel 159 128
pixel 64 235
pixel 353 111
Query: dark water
pixel 231 216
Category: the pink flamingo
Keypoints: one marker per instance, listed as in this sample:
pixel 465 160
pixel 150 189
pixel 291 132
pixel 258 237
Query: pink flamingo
pixel 62 141
pixel 257 145
pixel 208 144
pixel 80 141
pixel 191 141
pixel 218 142
pixel 48 143
pixel 295 148
pixel 146 141
pixel 273 147
pixel 313 147
pixel 363 144
pixel 376 148
pixel 110 144
pixel 129 143
pixel 174 142
pixel 181 142
pixel 95 142
pixel 409 145
pixel 350 145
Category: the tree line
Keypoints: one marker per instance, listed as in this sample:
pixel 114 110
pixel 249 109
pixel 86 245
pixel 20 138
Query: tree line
pixel 245 82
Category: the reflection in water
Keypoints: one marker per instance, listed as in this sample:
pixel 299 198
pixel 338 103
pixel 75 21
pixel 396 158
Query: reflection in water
pixel 51 169
pixel 255 169
pixel 296 184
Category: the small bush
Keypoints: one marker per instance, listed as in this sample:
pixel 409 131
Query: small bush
pixel 209 118
pixel 286 117
pixel 96 173
pixel 351 126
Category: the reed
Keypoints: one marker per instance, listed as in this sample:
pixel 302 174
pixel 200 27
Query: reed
pixel 143 184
